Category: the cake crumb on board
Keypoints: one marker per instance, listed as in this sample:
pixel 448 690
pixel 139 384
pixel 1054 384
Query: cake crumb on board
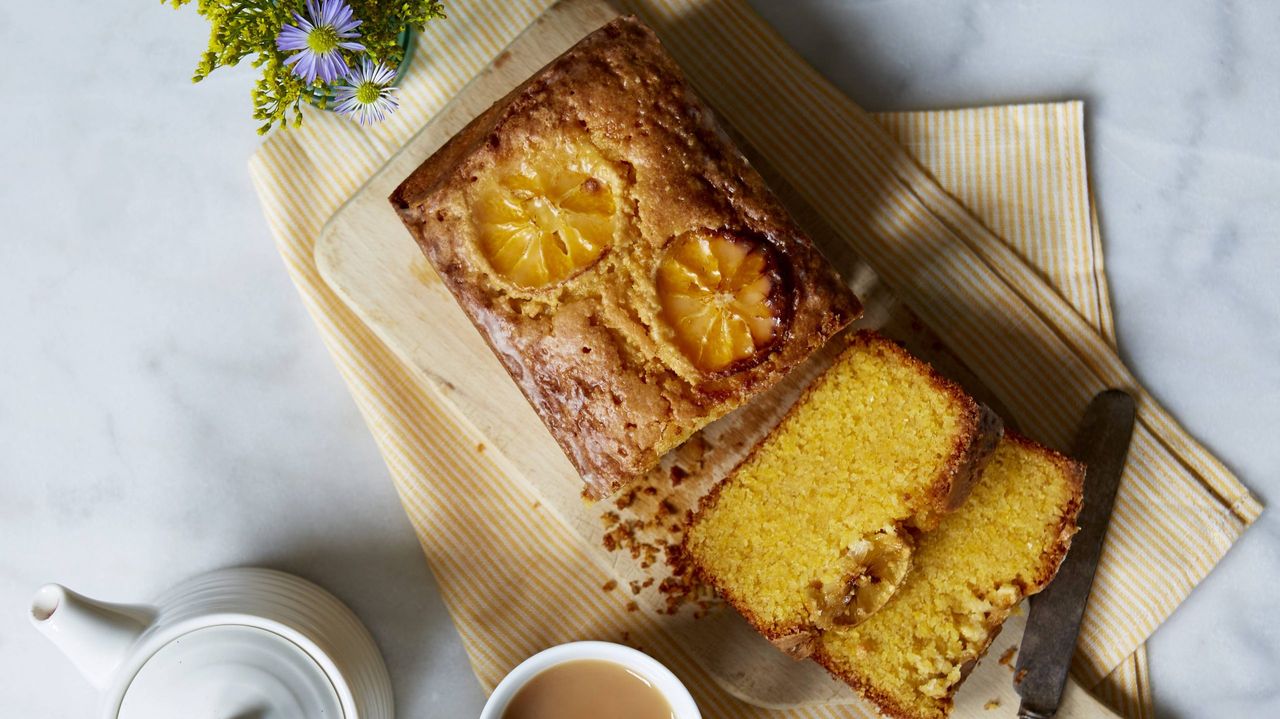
pixel 991 704
pixel 646 521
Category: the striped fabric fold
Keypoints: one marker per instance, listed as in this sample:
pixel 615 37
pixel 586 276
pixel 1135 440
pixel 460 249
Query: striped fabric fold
pixel 982 221
pixel 1021 171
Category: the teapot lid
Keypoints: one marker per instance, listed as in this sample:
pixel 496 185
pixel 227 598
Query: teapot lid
pixel 230 672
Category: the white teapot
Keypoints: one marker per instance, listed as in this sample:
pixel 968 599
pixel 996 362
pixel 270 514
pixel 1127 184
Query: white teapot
pixel 231 644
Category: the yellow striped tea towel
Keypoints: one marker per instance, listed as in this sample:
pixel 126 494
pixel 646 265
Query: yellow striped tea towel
pixel 980 219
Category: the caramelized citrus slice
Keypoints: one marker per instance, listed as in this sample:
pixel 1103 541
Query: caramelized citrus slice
pixel 722 295
pixel 862 580
pixel 547 217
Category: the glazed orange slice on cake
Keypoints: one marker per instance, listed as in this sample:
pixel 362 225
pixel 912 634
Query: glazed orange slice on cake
pixel 722 295
pixel 546 217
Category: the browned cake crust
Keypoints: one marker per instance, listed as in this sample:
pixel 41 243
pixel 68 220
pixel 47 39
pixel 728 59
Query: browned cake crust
pixel 593 352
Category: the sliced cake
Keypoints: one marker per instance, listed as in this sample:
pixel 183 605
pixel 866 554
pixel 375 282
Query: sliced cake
pixel 1004 543
pixel 815 529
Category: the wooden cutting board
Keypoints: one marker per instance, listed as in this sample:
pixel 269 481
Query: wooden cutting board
pixel 371 261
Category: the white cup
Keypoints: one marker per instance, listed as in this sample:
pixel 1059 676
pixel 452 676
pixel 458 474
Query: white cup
pixel 682 705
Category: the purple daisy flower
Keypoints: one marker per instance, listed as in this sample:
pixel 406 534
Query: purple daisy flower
pixel 367 95
pixel 318 40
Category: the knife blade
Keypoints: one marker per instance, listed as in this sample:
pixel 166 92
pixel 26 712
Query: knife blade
pixel 1053 624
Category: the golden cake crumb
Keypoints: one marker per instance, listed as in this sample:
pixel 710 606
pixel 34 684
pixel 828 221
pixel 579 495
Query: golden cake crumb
pixel 646 522
pixel 816 528
pixel 1004 543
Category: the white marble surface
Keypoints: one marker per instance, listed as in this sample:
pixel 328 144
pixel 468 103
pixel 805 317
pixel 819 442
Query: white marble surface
pixel 166 406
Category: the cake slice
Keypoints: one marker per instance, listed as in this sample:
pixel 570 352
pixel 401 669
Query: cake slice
pixel 815 528
pixel 620 256
pixel 1004 543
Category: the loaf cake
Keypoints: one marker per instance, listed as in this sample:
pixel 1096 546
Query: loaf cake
pixel 815 528
pixel 1004 543
pixel 620 256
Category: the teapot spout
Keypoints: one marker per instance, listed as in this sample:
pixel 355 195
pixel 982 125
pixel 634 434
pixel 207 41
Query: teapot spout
pixel 96 636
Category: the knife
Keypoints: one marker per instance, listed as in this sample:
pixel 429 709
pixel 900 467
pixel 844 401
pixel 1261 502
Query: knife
pixel 1053 624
